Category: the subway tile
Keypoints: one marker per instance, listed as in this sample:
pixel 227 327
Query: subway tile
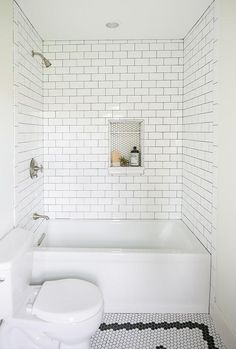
pixel 108 79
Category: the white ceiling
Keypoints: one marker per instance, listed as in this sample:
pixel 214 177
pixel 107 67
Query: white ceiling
pixel 138 19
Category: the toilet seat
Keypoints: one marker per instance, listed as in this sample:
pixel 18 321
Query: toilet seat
pixel 67 301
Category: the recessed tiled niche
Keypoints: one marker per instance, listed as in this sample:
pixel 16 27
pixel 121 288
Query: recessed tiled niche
pixel 125 134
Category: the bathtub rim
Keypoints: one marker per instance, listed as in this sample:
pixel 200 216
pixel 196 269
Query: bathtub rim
pixel 198 247
pixel 117 251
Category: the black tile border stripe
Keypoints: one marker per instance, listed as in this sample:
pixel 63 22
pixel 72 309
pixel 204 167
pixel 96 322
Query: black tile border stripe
pixel 165 325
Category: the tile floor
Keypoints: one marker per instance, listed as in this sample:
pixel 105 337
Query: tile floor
pixel 156 331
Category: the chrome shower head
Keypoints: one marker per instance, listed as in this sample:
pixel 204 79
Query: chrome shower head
pixel 46 62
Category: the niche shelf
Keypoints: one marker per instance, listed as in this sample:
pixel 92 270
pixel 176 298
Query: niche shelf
pixel 124 134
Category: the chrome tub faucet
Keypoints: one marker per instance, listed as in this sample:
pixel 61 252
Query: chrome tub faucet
pixel 38 216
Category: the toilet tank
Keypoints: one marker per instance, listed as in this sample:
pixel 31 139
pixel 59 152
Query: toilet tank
pixel 15 269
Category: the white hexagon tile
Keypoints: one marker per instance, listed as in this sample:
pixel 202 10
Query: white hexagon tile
pixel 156 331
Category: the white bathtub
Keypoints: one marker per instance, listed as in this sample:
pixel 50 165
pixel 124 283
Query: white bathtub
pixel 140 266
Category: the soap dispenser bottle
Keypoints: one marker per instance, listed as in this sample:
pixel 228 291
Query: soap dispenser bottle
pixel 134 157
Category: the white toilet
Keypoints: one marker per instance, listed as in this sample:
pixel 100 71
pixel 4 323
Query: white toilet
pixel 60 314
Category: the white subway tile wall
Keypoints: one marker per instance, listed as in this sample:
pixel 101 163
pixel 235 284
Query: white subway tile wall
pixel 28 100
pixel 199 120
pixel 215 149
pixel 89 83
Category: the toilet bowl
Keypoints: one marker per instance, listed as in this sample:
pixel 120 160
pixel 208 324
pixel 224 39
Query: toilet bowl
pixel 63 312
pixel 60 314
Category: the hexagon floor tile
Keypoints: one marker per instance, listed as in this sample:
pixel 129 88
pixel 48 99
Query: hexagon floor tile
pixel 157 331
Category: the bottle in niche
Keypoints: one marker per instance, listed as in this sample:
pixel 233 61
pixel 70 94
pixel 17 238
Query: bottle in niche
pixel 134 157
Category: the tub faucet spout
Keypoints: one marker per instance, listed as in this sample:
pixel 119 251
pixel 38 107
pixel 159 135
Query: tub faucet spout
pixel 37 216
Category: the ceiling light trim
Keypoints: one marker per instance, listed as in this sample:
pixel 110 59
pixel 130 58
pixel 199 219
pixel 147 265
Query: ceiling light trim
pixel 112 25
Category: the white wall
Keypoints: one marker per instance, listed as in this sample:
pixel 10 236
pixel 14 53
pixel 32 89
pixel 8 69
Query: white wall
pixel 90 82
pixel 28 95
pixel 198 119
pixel 6 118
pixel 225 307
pixel 200 124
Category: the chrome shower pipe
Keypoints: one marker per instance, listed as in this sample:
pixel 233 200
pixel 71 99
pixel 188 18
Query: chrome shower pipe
pixel 46 62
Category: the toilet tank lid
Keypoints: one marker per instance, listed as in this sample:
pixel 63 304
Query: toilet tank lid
pixel 12 245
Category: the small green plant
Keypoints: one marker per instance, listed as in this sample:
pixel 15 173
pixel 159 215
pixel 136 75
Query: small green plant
pixel 124 161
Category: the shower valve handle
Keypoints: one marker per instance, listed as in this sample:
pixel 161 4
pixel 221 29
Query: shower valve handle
pixel 34 168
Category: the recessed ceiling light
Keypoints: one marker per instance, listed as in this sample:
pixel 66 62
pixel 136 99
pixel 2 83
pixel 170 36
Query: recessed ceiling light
pixel 112 25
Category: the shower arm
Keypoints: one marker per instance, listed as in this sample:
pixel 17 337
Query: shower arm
pixel 37 54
